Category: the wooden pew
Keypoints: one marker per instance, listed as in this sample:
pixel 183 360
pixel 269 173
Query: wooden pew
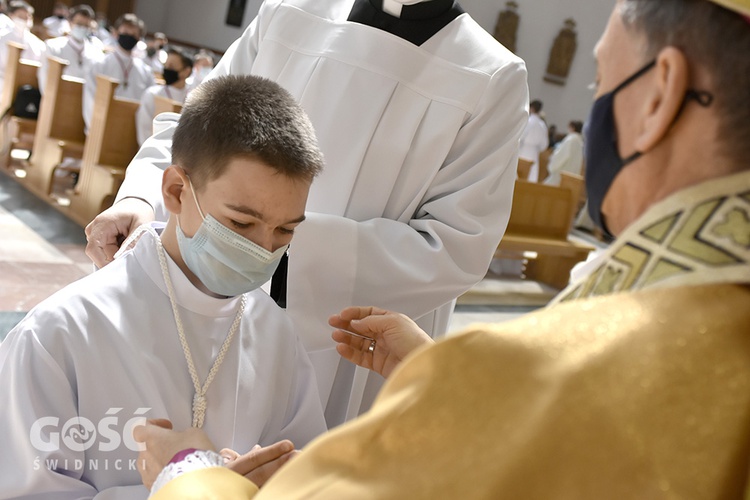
pixel 540 220
pixel 544 157
pixel 110 146
pixel 524 167
pixel 164 104
pixel 18 72
pixel 60 128
pixel 577 186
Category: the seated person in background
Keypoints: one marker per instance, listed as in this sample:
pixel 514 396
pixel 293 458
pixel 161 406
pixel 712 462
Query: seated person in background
pixel 178 326
pixel 567 155
pixel 57 24
pixel 203 63
pixel 22 15
pixel 152 52
pixel 634 383
pixel 176 70
pixel 102 31
pixel 76 47
pixel 134 76
pixel 6 23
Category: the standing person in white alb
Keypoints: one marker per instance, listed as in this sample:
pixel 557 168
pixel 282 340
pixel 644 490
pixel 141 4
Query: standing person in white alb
pixel 76 47
pixel 418 111
pixel 567 156
pixel 534 140
pixel 177 328
pixel 134 76
pixel 177 68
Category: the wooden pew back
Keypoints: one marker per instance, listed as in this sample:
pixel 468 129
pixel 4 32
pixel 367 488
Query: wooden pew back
pixel 540 221
pixel 18 72
pixel 164 104
pixel 541 211
pixel 60 128
pixel 524 167
pixel 577 187
pixel 110 146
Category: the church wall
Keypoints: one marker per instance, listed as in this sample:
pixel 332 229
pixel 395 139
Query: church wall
pixel 198 22
pixel 202 23
pixel 540 22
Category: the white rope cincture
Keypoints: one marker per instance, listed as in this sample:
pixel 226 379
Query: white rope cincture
pixel 199 398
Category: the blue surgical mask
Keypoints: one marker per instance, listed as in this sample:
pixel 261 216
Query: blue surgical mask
pixel 225 262
pixel 79 32
pixel 603 161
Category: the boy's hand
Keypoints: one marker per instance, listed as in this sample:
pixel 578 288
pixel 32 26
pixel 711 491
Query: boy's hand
pixel 162 443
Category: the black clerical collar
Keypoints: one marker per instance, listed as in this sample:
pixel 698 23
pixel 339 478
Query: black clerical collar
pixel 417 23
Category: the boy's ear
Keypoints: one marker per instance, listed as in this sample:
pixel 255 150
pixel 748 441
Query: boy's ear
pixel 172 184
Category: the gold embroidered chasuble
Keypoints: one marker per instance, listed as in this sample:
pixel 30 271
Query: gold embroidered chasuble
pixel 639 389
pixel 700 235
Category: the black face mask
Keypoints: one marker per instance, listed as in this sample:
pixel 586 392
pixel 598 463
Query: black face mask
pixel 150 51
pixel 603 161
pixel 127 42
pixel 170 76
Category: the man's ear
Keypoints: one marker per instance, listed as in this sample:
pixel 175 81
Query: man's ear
pixel 173 183
pixel 665 100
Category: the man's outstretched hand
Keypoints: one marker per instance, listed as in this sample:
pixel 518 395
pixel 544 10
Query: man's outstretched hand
pixel 395 336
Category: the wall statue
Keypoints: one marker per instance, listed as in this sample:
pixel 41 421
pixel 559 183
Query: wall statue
pixel 507 26
pixel 562 53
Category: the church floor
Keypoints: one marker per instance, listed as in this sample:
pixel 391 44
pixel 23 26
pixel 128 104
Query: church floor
pixel 41 251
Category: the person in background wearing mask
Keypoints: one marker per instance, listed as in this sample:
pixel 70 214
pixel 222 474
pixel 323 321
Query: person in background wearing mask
pixel 76 47
pixel 152 52
pixel 203 63
pixel 176 70
pixel 57 24
pixel 132 73
pixel 639 393
pixel 22 15
pixel 178 326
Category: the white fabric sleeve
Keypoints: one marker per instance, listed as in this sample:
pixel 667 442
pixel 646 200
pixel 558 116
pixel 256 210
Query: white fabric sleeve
pixel 144 117
pixel 89 93
pixel 304 418
pixel 199 459
pixel 419 262
pixel 35 387
pixel 41 74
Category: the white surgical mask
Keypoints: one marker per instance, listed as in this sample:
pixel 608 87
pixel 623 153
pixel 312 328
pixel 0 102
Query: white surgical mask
pixel 204 71
pixel 21 24
pixel 79 32
pixel 225 262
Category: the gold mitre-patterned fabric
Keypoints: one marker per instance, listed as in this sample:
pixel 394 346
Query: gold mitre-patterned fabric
pixel 741 6
pixel 698 236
